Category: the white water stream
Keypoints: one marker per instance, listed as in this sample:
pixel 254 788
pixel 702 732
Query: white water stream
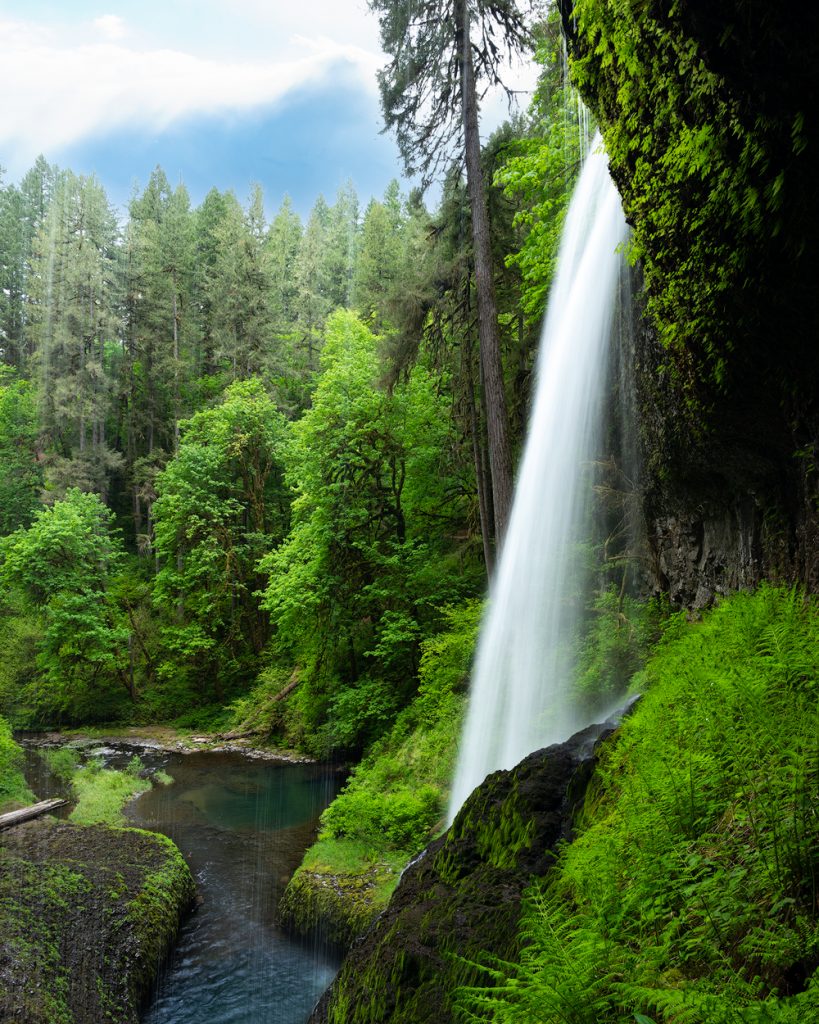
pixel 521 682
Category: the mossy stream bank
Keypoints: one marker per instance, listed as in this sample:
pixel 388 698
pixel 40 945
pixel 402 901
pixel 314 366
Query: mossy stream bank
pixel 87 913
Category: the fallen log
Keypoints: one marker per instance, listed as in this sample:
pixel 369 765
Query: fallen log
pixel 294 681
pixel 27 813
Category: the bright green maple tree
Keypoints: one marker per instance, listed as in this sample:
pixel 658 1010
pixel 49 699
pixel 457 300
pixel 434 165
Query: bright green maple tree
pixel 61 570
pixel 367 564
pixel 221 506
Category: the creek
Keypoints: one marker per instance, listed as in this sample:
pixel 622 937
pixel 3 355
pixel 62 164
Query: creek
pixel 243 825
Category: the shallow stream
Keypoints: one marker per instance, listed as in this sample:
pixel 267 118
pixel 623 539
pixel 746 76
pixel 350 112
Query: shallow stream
pixel 243 826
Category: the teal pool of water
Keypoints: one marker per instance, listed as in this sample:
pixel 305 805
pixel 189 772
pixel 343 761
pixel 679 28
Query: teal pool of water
pixel 243 826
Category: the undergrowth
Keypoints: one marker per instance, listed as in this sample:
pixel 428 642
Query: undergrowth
pixel 396 798
pixel 13 788
pixel 690 893
pixel 102 793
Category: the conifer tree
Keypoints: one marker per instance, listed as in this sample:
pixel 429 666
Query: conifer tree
pixel 75 326
pixel 239 288
pixel 312 279
pixel 378 258
pixel 441 51
pixel 282 244
pixel 22 212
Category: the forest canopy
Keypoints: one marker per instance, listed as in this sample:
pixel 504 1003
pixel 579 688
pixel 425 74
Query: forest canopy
pixel 257 448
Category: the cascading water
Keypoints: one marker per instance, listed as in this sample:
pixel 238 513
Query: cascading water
pixel 521 683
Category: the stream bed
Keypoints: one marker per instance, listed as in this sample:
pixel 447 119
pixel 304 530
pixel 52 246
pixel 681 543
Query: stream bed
pixel 243 826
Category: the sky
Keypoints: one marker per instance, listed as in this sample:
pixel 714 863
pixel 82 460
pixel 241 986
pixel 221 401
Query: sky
pixel 220 93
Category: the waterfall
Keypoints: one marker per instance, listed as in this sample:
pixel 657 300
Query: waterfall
pixel 521 681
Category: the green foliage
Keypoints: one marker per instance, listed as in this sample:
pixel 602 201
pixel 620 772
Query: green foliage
pixel 62 568
pixel 690 891
pixel 394 800
pixel 396 796
pixel 13 788
pixel 21 631
pixel 72 305
pixel 62 762
pixel 613 645
pixel 358 582
pixel 22 477
pixel 102 794
pixel 208 718
pixel 221 506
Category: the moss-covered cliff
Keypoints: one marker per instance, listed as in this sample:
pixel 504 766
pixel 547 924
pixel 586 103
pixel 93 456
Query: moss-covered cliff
pixel 710 117
pixel 86 916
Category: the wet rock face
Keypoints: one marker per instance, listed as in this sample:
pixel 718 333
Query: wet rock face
pixel 86 916
pixel 462 894
pixel 726 508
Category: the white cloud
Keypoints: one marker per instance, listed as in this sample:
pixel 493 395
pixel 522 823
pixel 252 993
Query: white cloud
pixel 65 93
pixel 111 26
pixel 346 21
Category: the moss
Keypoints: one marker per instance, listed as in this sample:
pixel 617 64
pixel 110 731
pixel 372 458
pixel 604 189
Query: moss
pixel 86 915
pixel 339 890
pixel 501 832
pixel 716 178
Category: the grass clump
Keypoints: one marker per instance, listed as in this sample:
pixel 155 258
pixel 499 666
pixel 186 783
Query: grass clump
pixel 690 893
pixel 62 761
pixel 102 793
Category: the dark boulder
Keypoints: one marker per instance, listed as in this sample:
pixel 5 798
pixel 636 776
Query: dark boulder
pixel 462 896
pixel 87 914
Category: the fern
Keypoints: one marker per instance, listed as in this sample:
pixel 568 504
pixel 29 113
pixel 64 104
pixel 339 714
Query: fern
pixel 690 893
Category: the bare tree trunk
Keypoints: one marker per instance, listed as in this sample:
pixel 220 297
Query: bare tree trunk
pixel 497 420
pixel 175 372
pixel 477 454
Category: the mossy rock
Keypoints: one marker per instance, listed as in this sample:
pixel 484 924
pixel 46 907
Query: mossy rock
pixel 87 915
pixel 461 897
pixel 338 907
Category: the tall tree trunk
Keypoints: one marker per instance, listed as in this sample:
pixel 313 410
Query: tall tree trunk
pixel 175 371
pixel 497 420
pixel 477 454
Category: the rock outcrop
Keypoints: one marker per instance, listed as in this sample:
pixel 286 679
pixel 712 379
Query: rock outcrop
pixel 87 914
pixel 462 895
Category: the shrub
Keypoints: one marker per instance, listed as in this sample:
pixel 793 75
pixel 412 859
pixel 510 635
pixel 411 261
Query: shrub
pixel 13 788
